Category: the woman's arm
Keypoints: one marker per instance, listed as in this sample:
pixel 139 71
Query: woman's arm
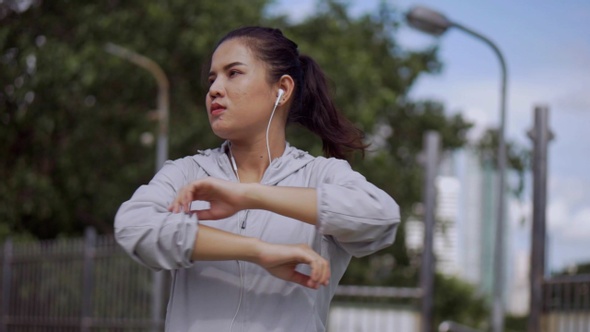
pixel 293 202
pixel 227 198
pixel 212 244
pixel 163 240
pixel 344 205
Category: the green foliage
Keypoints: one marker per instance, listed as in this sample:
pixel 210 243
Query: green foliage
pixel 582 268
pixel 458 301
pixel 518 158
pixel 516 323
pixel 71 115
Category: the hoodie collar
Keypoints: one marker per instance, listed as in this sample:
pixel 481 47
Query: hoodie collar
pixel 216 163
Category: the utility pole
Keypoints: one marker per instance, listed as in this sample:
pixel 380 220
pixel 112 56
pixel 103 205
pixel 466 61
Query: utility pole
pixel 540 135
pixel 431 153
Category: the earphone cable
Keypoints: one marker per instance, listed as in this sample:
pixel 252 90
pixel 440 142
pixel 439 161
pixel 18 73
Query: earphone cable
pixel 268 128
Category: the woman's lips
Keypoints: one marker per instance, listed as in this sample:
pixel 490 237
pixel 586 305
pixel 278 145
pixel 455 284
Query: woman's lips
pixel 216 109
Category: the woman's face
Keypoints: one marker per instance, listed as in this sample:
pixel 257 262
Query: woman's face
pixel 240 99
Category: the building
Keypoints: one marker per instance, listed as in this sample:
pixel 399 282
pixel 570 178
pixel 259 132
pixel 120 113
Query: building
pixel 445 245
pixel 465 232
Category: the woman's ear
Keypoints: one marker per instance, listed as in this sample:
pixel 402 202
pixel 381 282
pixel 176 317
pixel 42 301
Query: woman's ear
pixel 287 84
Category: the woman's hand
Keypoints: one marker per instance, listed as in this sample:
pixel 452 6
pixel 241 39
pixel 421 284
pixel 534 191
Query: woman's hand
pixel 226 198
pixel 281 261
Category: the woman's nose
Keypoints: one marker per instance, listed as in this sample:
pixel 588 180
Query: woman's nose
pixel 216 89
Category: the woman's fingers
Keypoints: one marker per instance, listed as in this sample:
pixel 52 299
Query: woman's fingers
pixel 176 205
pixel 282 260
pixel 319 276
pixel 302 279
pixel 223 197
pixel 211 190
pixel 187 198
pixel 184 198
pixel 322 269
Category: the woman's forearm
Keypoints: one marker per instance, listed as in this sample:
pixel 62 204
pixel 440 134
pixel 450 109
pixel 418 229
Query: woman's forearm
pixel 213 244
pixel 294 202
pixel 279 260
pixel 227 198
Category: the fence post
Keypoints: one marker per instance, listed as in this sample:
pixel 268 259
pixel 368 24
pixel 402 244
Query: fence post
pixel 540 136
pixel 157 300
pixel 6 276
pixel 431 153
pixel 88 281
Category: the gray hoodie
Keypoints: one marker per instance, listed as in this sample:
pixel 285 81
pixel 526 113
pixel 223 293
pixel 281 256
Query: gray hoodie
pixel 355 218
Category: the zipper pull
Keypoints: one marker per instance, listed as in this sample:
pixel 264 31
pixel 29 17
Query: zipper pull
pixel 244 220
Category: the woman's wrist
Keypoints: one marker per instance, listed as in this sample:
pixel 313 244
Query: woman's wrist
pixel 252 196
pixel 256 250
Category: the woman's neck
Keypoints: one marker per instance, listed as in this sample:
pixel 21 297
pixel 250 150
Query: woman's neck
pixel 252 160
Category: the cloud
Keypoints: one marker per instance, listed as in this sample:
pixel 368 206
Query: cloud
pixel 558 214
pixel 568 198
pixel 578 228
pixel 576 99
pixel 568 221
pixel 572 190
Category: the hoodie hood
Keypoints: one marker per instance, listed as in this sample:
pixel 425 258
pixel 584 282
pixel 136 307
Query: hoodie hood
pixel 216 163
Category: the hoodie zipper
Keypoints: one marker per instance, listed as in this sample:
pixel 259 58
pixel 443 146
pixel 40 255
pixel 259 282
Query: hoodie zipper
pixel 243 222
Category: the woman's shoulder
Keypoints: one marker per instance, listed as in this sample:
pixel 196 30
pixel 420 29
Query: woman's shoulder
pixel 199 156
pixel 314 160
pixel 325 169
pixel 330 163
pixel 192 165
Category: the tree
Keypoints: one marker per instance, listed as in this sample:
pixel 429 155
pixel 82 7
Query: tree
pixel 72 116
pixel 458 301
pixel 576 269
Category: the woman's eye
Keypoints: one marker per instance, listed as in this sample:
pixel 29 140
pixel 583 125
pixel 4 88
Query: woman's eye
pixel 233 73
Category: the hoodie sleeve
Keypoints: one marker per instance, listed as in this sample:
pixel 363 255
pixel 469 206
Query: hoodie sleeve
pixel 145 228
pixel 359 216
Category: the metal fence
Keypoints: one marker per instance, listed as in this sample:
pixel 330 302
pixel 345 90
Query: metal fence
pixel 370 309
pixel 91 285
pixel 73 285
pixel 566 304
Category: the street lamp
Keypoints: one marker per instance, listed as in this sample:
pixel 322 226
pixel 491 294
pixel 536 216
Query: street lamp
pixel 161 150
pixel 163 96
pixel 434 23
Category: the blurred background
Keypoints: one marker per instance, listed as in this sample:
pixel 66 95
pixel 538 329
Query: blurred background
pixel 80 124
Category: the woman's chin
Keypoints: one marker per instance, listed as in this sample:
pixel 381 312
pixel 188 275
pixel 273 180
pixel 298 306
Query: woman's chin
pixel 223 133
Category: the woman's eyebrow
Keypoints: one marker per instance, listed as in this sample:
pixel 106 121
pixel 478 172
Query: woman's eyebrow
pixel 228 66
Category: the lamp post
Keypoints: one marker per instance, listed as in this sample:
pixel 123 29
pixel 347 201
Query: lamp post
pixel 434 23
pixel 161 152
pixel 163 96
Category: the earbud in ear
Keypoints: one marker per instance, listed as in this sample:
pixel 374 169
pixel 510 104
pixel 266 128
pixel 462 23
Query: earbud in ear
pixel 281 93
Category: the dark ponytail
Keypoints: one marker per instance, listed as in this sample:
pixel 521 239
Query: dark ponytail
pixel 312 105
pixel 318 113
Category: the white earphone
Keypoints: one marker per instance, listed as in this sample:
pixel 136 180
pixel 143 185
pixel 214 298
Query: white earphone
pixel 281 93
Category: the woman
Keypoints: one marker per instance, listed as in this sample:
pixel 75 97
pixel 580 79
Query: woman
pixel 236 224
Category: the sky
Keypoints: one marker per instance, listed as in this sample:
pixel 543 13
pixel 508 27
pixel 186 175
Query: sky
pixel 546 45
